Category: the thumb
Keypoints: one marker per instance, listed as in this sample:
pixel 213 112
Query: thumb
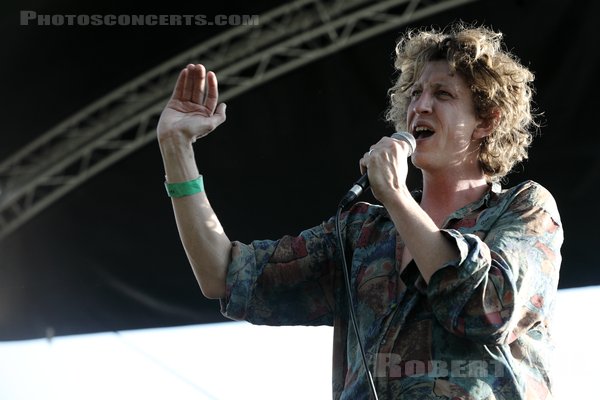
pixel 218 116
pixel 221 108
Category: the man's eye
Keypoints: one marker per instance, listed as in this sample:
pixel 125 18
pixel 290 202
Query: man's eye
pixel 443 93
pixel 415 93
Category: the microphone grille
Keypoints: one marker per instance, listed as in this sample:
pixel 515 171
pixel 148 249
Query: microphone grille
pixel 408 138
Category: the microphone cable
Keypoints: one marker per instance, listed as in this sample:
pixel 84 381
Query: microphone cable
pixel 361 185
pixel 351 303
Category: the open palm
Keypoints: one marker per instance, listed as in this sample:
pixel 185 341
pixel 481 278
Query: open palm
pixel 192 110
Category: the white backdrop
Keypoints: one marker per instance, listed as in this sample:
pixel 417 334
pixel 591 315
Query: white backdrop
pixel 238 361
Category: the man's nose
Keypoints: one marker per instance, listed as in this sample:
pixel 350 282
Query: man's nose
pixel 423 104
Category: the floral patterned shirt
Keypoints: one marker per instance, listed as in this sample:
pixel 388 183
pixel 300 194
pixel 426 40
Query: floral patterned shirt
pixel 479 330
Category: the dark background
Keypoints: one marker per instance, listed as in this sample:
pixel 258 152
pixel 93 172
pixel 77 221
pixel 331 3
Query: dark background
pixel 107 255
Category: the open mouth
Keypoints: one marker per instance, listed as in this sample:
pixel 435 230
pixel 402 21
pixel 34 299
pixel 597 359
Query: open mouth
pixel 422 132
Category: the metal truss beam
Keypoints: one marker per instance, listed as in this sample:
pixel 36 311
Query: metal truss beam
pixel 123 121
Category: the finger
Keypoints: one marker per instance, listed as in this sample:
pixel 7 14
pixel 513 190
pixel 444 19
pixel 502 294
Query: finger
pixel 219 116
pixel 178 89
pixel 214 120
pixel 188 84
pixel 363 164
pixel 212 91
pixel 406 141
pixel 220 111
pixel 199 90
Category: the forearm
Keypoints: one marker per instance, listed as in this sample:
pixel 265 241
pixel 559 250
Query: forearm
pixel 429 247
pixel 204 240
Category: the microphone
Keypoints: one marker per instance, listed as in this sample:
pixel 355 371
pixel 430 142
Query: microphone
pixel 362 183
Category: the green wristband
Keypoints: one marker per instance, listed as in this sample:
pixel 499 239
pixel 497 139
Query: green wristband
pixel 188 188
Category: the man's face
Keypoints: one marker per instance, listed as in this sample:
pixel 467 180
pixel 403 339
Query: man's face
pixel 441 116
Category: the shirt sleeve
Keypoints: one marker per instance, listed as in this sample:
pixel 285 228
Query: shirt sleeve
pixel 506 279
pixel 283 282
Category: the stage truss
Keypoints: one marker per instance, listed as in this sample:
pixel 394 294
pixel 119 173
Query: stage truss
pixel 123 121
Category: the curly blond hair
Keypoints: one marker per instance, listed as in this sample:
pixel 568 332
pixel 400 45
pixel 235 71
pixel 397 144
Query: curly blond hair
pixel 502 88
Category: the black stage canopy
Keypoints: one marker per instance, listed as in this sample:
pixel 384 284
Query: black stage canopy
pixel 107 256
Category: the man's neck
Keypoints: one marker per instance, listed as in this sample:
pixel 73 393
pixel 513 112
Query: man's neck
pixel 442 195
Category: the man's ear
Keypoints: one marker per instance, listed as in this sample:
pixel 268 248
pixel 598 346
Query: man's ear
pixel 486 126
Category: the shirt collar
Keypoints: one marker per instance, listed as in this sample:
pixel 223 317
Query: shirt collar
pixel 486 200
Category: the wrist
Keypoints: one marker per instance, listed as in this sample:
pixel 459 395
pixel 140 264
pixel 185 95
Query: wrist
pixel 183 189
pixel 395 195
pixel 174 139
pixel 178 159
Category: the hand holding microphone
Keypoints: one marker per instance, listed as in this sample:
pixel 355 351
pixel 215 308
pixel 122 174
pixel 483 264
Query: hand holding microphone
pixel 362 183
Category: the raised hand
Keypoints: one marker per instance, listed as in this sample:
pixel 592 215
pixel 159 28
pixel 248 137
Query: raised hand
pixel 193 110
pixel 191 113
